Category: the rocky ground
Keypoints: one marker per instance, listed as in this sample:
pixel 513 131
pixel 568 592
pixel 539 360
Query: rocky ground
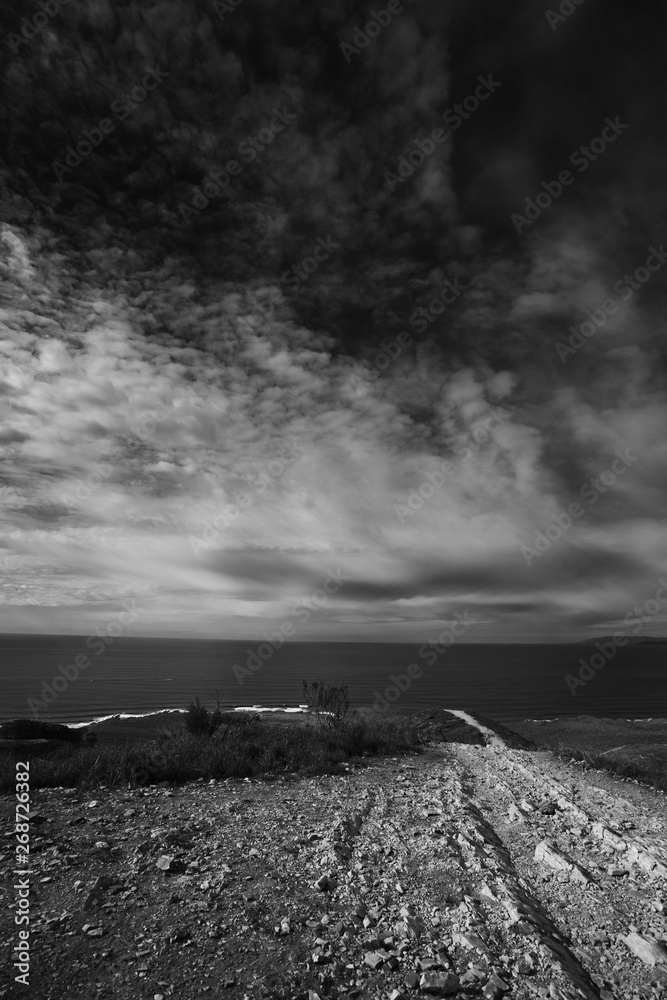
pixel 464 871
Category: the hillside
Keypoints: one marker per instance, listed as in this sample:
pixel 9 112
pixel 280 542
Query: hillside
pixel 464 871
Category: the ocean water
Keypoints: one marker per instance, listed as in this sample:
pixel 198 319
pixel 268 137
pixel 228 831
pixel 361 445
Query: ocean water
pixel 505 682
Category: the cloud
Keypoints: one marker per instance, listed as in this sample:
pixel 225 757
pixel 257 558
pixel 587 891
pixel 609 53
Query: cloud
pixel 127 448
pixel 182 424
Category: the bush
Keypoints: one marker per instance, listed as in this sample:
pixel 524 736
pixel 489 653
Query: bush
pixel 328 702
pixel 202 723
pixel 36 729
pixel 249 749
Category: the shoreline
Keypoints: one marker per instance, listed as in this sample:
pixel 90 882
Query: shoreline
pixel 125 726
pixel 285 709
pixel 585 731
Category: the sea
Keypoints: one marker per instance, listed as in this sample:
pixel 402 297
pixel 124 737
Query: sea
pixel 140 676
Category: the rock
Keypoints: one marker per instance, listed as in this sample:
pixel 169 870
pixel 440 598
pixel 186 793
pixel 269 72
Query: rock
pixel 428 964
pixel 414 924
pixel 647 948
pixel 168 863
pixel 374 959
pixel 323 883
pixel 550 855
pixel 495 987
pixel 608 836
pixel 548 808
pixel 411 980
pixel 646 861
pixel 527 964
pixel 439 984
pixel 470 941
pixel 93 931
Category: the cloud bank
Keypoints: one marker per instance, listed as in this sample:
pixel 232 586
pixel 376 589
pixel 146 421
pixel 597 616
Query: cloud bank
pixel 220 384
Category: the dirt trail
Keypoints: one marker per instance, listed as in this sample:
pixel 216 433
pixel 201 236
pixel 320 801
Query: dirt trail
pixel 465 871
pixel 600 874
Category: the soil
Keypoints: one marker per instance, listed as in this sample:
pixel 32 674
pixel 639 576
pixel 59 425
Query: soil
pixel 466 870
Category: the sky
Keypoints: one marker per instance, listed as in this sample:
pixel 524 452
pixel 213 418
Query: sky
pixel 307 308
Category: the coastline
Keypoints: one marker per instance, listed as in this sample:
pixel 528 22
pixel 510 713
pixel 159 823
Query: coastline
pixel 124 726
pixel 591 733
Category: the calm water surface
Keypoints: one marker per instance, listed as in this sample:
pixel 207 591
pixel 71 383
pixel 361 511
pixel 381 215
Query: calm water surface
pixel 505 682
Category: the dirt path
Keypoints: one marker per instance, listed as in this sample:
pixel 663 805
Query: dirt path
pixel 413 876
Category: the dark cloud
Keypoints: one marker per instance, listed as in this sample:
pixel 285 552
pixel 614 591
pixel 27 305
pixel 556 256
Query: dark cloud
pixel 162 341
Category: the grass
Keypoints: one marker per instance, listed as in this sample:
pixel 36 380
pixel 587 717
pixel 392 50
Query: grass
pixel 646 768
pixel 233 751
